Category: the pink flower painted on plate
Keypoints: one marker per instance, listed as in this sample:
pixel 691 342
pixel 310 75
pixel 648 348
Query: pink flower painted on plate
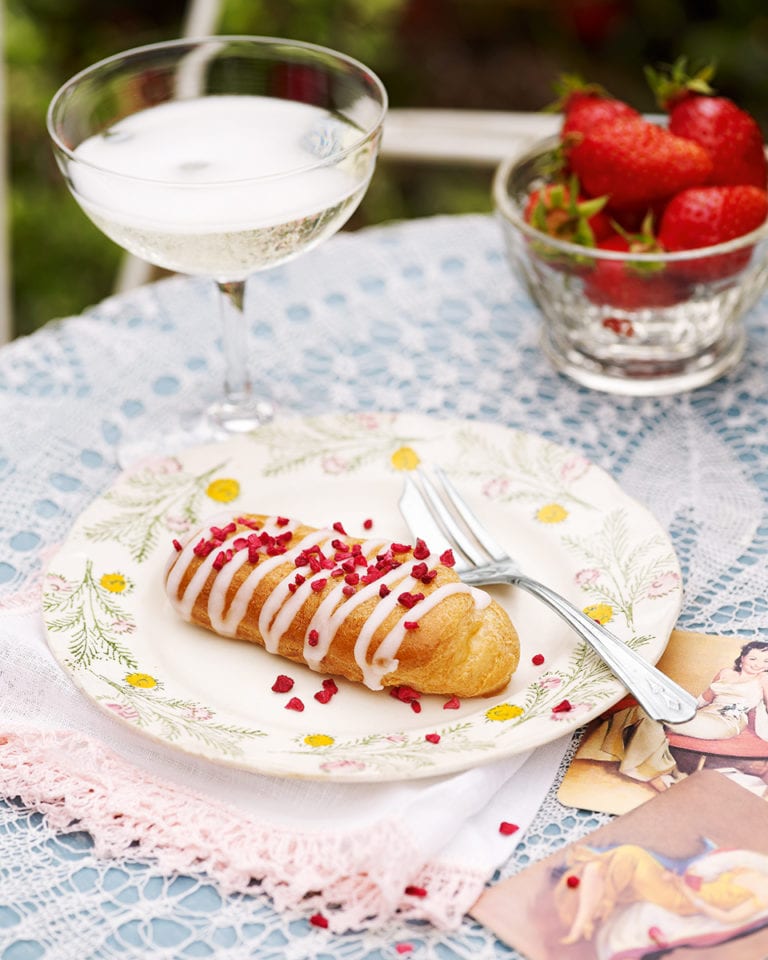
pixel 573 469
pixel 368 420
pixel 342 765
pixel 124 710
pixel 196 712
pixel 396 738
pixel 585 577
pixel 165 465
pixel 156 465
pixel 577 710
pixel 550 682
pixel 496 488
pixel 334 464
pixel 123 626
pixel 176 523
pixel 663 584
pixel 56 583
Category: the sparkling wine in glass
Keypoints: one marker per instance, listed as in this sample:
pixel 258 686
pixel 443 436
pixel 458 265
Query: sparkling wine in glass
pixel 220 157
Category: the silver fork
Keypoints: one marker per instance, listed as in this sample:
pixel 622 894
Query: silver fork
pixel 483 561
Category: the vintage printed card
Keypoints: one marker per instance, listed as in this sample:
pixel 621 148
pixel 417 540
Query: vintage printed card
pixel 625 758
pixel 684 876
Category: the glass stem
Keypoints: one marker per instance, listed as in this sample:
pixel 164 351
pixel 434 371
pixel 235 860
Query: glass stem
pixel 237 381
pixel 239 411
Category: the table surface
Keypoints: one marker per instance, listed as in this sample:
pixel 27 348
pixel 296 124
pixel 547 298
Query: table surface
pixel 422 316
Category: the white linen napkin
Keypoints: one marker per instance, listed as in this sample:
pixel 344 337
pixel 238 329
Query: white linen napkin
pixel 351 854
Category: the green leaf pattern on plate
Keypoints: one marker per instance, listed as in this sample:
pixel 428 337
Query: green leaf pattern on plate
pixel 385 751
pixel 337 447
pixel 522 468
pixel 139 700
pixel 89 614
pixel 579 684
pixel 620 571
pixel 159 497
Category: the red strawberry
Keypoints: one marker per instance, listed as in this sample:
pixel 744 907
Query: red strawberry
pixel 634 161
pixel 590 111
pixel 703 216
pixel 558 209
pixel 595 21
pixel 730 135
pixel 587 105
pixel 632 285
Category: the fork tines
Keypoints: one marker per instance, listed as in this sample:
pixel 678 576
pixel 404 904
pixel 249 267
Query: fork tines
pixel 470 537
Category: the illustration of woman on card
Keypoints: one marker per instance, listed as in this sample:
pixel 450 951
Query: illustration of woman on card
pixel 632 902
pixel 638 744
pixel 724 707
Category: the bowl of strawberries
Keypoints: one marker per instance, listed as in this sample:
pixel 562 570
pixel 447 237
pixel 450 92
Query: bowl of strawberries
pixel 642 239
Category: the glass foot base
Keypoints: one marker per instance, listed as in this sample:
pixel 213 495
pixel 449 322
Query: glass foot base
pixel 218 422
pixel 648 377
pixel 239 417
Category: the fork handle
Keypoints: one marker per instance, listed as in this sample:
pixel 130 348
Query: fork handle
pixel 661 698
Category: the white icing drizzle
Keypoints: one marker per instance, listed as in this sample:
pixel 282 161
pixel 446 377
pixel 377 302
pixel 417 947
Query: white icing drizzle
pixel 385 659
pixel 242 598
pixel 218 595
pixel 481 598
pixel 371 676
pixel 177 567
pixel 282 605
pixel 227 626
pixel 185 603
pixel 335 609
pixel 187 550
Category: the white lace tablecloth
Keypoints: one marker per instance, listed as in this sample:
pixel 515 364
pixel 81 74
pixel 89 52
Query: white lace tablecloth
pixel 422 316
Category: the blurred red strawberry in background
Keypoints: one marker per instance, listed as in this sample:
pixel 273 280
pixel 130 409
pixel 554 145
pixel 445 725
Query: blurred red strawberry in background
pixel 633 161
pixel 586 105
pixel 704 216
pixel 634 284
pixel 730 135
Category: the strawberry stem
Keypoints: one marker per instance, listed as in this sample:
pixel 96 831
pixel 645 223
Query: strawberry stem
pixel 671 83
pixel 567 86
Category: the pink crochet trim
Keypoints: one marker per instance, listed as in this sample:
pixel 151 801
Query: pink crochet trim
pixel 355 881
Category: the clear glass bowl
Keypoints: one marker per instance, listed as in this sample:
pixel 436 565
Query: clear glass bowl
pixel 673 325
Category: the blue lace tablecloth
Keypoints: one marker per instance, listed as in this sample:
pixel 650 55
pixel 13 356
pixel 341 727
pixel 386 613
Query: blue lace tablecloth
pixel 422 316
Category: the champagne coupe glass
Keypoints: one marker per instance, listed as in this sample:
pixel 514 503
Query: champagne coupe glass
pixel 219 157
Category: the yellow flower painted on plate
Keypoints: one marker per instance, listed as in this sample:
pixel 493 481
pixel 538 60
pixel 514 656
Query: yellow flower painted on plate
pixel 318 740
pixel 142 680
pixel 551 513
pixel 405 458
pixel 223 490
pixel 504 711
pixel 601 612
pixel 114 582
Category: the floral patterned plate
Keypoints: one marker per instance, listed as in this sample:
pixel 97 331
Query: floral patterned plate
pixel 568 522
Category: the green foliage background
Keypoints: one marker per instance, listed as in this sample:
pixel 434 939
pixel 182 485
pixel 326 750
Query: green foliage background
pixel 475 54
